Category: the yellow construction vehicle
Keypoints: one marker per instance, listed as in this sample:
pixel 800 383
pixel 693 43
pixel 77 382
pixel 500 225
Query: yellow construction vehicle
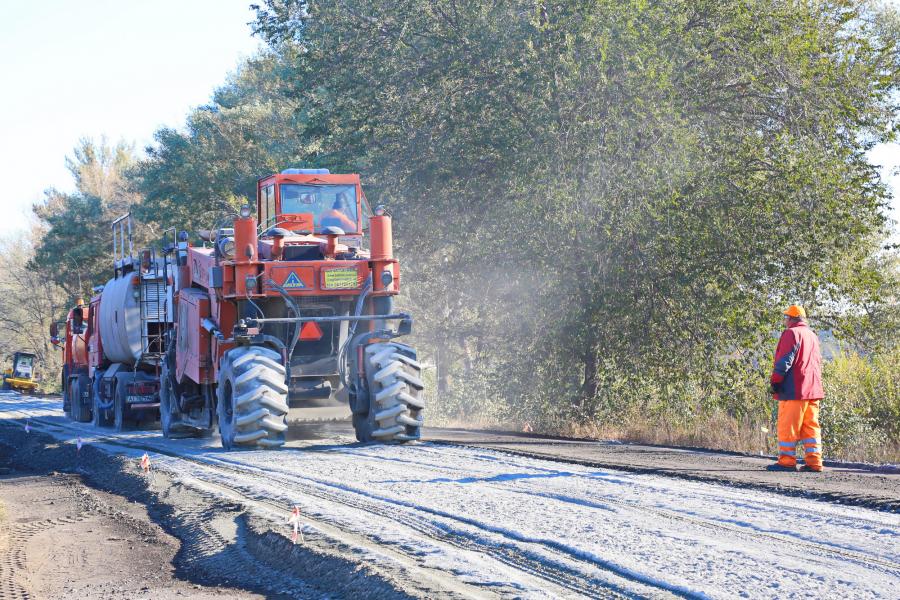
pixel 21 376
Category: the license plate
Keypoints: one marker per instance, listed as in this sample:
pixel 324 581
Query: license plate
pixel 140 399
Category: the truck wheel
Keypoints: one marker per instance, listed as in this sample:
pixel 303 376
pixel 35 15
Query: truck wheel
pixel 252 398
pixel 99 417
pixel 67 409
pixel 119 421
pixel 80 412
pixel 168 409
pixel 395 395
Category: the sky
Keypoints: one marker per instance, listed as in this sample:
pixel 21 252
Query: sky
pixel 88 68
pixel 122 69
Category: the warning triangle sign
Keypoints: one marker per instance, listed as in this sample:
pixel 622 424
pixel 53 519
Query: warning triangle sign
pixel 292 282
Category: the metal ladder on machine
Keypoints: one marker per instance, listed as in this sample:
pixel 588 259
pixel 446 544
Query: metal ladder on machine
pixel 154 307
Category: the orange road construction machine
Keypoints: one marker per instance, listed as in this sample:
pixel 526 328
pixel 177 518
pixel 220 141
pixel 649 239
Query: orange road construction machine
pixel 275 313
pixel 286 308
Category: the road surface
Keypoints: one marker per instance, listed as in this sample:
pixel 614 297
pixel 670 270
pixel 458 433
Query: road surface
pixel 532 518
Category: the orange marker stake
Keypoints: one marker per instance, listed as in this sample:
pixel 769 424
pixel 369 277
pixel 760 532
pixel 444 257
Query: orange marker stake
pixel 145 463
pixel 295 521
pixel 78 445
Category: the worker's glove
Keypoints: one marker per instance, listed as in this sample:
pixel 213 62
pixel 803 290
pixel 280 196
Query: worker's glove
pixel 776 384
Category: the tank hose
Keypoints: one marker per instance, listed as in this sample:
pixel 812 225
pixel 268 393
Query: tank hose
pixel 342 355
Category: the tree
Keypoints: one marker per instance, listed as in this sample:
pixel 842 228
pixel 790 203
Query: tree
pixel 648 180
pixel 198 178
pixel 29 303
pixel 75 244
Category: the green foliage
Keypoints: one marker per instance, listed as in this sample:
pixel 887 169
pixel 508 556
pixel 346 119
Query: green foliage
pixel 861 413
pixel 197 178
pixel 601 206
pixel 666 176
pixel 74 250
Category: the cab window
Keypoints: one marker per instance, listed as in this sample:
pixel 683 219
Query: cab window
pixel 270 205
pixel 330 205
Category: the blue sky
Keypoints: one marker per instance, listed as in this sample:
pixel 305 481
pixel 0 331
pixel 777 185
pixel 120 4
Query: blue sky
pixel 122 69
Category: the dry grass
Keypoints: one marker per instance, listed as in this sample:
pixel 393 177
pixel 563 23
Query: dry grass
pixel 716 431
pixel 722 432
pixel 474 422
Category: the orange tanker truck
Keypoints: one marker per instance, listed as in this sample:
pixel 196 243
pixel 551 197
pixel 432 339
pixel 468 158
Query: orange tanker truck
pixel 112 349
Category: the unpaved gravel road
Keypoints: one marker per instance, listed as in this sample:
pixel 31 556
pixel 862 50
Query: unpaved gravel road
pixel 529 518
pixel 871 486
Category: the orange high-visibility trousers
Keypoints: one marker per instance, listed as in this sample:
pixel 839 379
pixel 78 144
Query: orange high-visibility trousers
pixel 798 421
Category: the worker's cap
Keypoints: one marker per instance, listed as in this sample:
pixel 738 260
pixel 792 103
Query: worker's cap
pixel 794 311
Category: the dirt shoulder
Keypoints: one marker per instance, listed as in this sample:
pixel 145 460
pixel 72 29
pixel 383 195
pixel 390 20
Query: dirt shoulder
pixel 62 539
pixel 64 536
pixel 103 529
pixel 843 485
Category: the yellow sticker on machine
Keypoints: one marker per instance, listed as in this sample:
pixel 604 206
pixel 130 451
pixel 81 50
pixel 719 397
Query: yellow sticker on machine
pixel 340 279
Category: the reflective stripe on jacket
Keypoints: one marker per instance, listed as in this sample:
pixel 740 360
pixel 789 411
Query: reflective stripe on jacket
pixel 798 364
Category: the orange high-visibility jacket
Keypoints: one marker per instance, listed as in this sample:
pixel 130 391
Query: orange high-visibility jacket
pixel 798 364
pixel 334 216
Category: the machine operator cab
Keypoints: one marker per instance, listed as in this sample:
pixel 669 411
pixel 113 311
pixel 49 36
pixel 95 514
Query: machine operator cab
pixel 311 202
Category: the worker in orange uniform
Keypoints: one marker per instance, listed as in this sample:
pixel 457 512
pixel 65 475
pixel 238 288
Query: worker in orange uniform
pixel 337 215
pixel 797 385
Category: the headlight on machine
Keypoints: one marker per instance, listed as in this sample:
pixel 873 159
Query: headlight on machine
pixel 225 246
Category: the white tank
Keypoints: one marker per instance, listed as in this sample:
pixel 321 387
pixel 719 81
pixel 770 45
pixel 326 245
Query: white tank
pixel 120 319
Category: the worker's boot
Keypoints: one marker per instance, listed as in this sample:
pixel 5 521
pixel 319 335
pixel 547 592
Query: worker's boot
pixel 811 468
pixel 780 467
pixel 787 459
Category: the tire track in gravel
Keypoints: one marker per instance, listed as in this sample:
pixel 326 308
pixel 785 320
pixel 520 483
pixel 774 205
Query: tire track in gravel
pixel 387 507
pixel 210 547
pixel 194 523
pixel 841 498
pixel 519 558
pixel 523 559
pixel 13 556
pixel 508 553
pixel 866 560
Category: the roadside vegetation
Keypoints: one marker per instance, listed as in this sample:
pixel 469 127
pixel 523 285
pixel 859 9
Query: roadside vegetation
pixel 601 207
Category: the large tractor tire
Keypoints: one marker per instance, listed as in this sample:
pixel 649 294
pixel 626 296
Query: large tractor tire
pixel 169 414
pixel 252 398
pixel 395 397
pixel 79 388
